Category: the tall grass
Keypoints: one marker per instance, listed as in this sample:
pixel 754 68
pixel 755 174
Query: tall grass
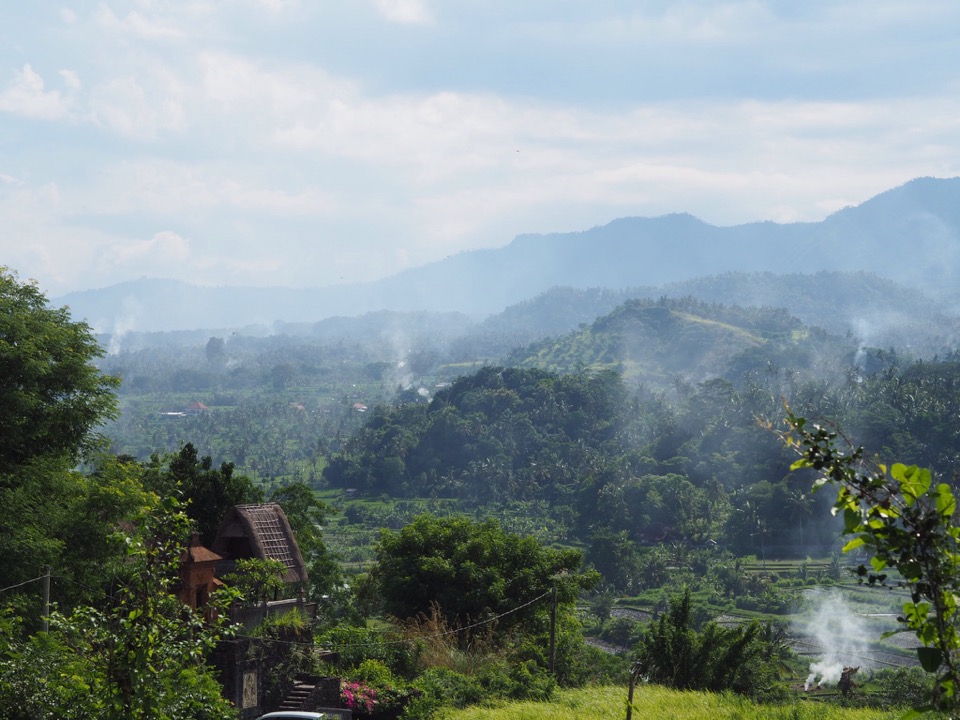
pixel 649 702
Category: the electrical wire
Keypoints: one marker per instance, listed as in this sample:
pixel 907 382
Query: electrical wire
pixel 25 582
pixel 421 637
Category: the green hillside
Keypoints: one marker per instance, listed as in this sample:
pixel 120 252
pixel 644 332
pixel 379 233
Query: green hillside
pixel 656 342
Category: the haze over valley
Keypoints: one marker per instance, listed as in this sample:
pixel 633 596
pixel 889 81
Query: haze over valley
pixel 761 264
pixel 407 360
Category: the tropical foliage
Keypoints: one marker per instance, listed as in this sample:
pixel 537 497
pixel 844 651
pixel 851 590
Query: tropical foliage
pixel 908 523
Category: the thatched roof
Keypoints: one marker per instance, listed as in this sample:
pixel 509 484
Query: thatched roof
pixel 261 531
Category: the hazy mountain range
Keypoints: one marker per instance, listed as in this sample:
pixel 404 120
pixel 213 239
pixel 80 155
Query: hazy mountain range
pixel 909 235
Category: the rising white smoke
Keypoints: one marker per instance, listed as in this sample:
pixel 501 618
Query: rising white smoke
pixel 124 322
pixel 840 635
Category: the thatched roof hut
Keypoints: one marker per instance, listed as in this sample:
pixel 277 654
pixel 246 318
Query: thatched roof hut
pixel 263 532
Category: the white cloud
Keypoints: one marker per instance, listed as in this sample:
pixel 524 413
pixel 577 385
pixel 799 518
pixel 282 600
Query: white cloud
pixel 139 24
pixel 162 249
pixel 71 79
pixel 162 187
pixel 278 5
pixel 261 120
pixel 405 12
pixel 124 106
pixel 26 96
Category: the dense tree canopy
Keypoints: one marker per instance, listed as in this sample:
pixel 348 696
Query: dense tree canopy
pixel 208 492
pixel 52 401
pixel 471 571
pixel 52 397
pixel 140 653
pixel 500 433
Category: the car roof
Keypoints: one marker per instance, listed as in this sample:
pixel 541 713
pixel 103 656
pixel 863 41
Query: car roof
pixel 292 715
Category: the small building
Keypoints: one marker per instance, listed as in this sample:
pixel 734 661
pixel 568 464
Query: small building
pixel 262 532
pixel 198 579
pixel 196 408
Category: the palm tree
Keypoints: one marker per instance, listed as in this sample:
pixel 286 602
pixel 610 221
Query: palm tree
pixel 798 507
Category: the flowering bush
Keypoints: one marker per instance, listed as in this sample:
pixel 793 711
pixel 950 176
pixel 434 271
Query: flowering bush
pixel 357 696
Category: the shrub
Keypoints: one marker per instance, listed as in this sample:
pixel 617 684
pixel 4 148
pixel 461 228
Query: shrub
pixel 716 659
pixel 518 681
pixel 904 686
pixel 356 644
pixel 374 672
pixel 440 686
pixel 621 631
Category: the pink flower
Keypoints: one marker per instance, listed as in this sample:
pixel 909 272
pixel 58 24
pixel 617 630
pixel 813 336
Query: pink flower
pixel 357 695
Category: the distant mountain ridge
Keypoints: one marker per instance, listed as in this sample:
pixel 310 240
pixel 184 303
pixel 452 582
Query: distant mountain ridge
pixel 874 311
pixel 910 234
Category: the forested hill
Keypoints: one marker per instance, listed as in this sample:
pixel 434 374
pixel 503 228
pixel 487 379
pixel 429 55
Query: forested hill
pixel 587 457
pixel 499 434
pixel 658 342
pixel 592 460
pixel 873 310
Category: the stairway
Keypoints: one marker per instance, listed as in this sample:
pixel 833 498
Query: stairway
pixel 297 697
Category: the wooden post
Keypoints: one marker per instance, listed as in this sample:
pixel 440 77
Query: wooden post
pixel 45 612
pixel 553 629
pixel 633 680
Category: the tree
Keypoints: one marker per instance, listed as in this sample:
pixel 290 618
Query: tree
pixel 52 397
pixel 257 580
pixel 472 571
pixel 615 557
pixel 909 524
pixel 70 521
pixel 306 515
pixel 207 491
pixel 141 656
pixel 672 653
pixel 52 401
pixel 216 351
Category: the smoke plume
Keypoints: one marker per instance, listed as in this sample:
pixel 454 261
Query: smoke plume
pixel 838 634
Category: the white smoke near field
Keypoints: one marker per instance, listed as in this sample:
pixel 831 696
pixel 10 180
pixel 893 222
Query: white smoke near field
pixel 124 322
pixel 400 348
pixel 864 330
pixel 836 633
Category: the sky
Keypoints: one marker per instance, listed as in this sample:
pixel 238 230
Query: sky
pixel 307 143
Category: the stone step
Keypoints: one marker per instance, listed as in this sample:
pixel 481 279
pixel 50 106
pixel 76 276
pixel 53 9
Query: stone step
pixel 296 696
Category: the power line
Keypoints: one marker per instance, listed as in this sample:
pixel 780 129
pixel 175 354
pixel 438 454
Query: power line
pixel 25 582
pixel 420 637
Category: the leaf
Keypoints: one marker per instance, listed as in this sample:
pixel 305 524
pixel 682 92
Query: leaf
pixel 914 481
pixel 910 570
pixel 930 658
pixel 946 502
pixel 853 544
pixel 852 521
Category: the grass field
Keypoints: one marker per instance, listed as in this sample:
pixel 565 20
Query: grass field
pixel 609 703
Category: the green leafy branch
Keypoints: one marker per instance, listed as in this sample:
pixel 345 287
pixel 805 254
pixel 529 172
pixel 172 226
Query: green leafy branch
pixel 907 522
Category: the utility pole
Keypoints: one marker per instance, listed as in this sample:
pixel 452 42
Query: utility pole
pixel 46 598
pixel 635 673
